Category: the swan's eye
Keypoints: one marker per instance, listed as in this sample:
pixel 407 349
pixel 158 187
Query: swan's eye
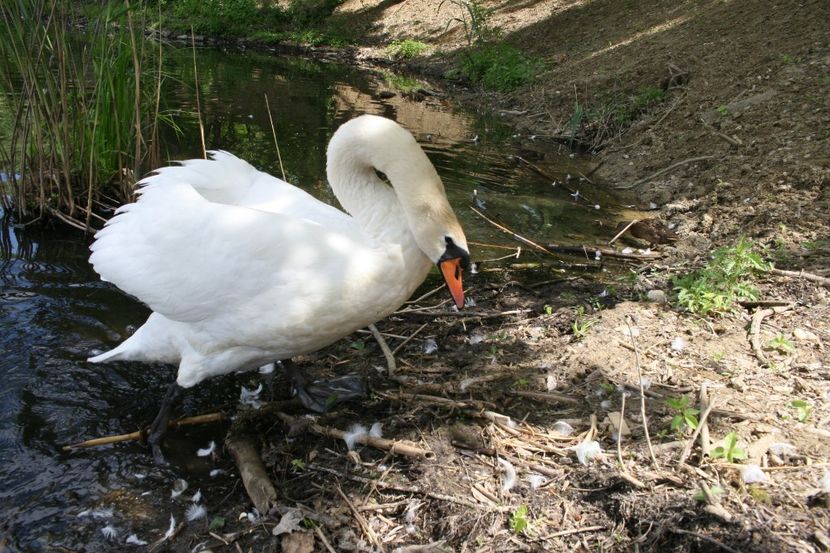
pixel 382 176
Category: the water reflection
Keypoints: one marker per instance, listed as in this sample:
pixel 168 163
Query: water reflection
pixel 54 311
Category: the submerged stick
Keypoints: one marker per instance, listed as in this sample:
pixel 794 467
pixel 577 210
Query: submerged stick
pixel 140 434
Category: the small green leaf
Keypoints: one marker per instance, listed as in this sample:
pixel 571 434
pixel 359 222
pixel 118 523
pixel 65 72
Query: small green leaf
pixel 216 523
pixel 714 490
pixel 518 520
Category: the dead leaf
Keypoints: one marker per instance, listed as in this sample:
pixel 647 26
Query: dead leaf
pixel 299 542
pixel 289 522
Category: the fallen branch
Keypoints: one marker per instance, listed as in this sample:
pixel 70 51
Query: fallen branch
pixel 391 367
pixel 662 172
pixel 554 248
pixel 818 279
pixel 252 471
pixel 544 175
pixel 547 396
pixel 399 448
pixel 515 235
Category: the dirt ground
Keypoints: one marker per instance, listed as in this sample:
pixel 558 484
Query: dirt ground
pixel 738 147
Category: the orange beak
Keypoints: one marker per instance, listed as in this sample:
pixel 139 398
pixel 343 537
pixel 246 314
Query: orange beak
pixel 451 269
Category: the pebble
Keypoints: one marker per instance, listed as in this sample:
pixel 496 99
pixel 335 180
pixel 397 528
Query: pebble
pixel 656 296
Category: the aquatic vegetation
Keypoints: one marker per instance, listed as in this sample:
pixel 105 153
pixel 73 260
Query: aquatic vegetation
pixel 85 107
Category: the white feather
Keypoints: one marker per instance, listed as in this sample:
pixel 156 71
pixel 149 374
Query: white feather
pixel 133 539
pixel 536 480
pixel 179 487
pixel 355 432
pixel 376 431
pixel 509 477
pixel 109 532
pixel 752 474
pixel 204 452
pixel 197 497
pixel 171 529
pixel 195 512
pixel 563 428
pixel 587 450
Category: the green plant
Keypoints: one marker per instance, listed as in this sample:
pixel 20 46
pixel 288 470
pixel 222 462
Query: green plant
pixel 803 410
pixel 498 66
pixel 518 520
pixel 549 309
pixel 298 465
pixel 782 344
pixel 729 450
pixel 358 345
pixel 714 490
pixel 475 19
pixel 723 110
pixel 685 416
pixel 406 48
pixel 582 324
pixel 726 280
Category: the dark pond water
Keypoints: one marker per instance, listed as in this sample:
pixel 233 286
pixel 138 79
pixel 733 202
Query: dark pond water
pixel 54 311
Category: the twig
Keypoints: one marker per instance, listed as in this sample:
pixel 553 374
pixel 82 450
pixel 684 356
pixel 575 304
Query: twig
pixel 824 281
pixel 642 395
pixel 722 136
pixel 464 315
pixel 408 489
pixel 555 248
pixel 409 338
pixel 547 396
pixel 139 435
pixel 711 540
pixel 400 448
pixel 703 424
pixel 628 226
pixel 572 531
pixel 391 367
pixel 274 133
pixel 687 449
pixel 198 101
pixel 323 539
pixel 515 235
pixel 544 175
pixel 755 329
pixel 252 471
pixel 661 172
pixel 713 504
pixel 361 520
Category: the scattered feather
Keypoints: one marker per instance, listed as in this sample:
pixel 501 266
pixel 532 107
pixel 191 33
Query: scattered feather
pixel 195 512
pixel 109 531
pixel 782 449
pixel 204 452
pixel 216 472
pixel 469 302
pixel 575 194
pixel 563 428
pixel 466 383
pixel 410 515
pixel 597 207
pixel 474 269
pixel 587 450
pixel 825 482
pixel 605 404
pixel 646 251
pixel 678 344
pixel 167 535
pixel 645 382
pixel 536 481
pixel 179 487
pixel 752 474
pixel 100 512
pixel 550 382
pixel 197 497
pixel 139 476
pixel 267 369
pixel 509 479
pixel 200 547
pixel 628 250
pixel 250 397
pixel 631 331
pixel 289 522
pixel 475 339
pixel 430 346
pixel 376 431
pixel 355 432
pixel 133 539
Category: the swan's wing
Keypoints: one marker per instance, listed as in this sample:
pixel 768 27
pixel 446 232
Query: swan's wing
pixel 227 179
pixel 191 259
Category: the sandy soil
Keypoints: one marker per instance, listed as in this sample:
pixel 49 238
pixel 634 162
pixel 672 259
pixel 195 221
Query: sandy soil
pixel 738 147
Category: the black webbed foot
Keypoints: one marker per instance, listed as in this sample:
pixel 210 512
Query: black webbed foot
pixel 158 428
pixel 322 395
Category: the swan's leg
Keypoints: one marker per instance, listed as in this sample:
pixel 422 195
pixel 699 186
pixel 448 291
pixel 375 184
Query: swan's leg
pixel 158 428
pixel 322 395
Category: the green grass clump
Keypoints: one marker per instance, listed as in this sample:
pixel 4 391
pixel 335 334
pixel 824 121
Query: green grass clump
pixel 498 66
pixel 406 49
pixel 726 280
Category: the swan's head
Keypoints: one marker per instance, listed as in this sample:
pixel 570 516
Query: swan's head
pixel 368 145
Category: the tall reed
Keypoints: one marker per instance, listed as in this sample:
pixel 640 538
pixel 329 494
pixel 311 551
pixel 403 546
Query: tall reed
pixel 83 97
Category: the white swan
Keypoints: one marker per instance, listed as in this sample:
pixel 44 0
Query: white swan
pixel 241 268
